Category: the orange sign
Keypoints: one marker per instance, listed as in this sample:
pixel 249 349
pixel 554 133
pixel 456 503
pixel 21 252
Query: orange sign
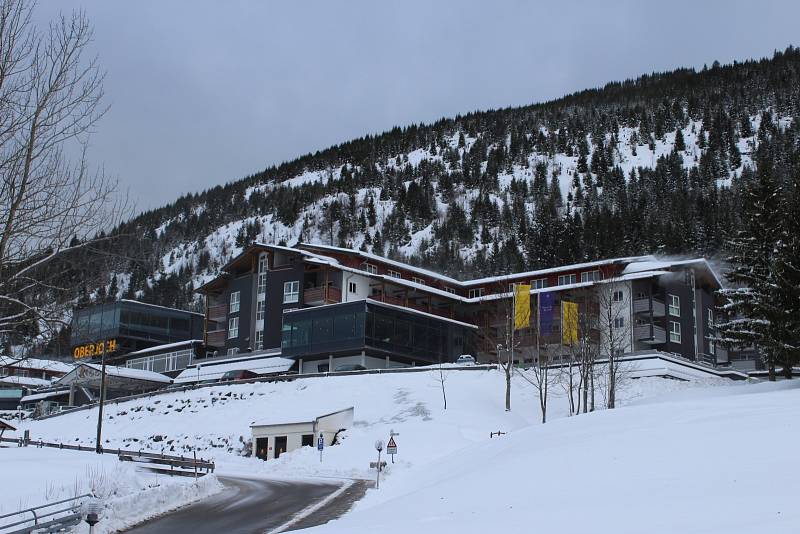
pixel 91 350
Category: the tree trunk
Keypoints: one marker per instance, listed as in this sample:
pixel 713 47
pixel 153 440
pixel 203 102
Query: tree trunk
pixel 508 388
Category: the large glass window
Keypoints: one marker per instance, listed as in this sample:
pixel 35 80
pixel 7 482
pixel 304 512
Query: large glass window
pixel 567 279
pixel 236 297
pixel 675 331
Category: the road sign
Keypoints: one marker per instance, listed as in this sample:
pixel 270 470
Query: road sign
pixel 391 447
pixel 320 442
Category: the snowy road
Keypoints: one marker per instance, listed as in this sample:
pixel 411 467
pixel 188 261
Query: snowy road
pixel 244 506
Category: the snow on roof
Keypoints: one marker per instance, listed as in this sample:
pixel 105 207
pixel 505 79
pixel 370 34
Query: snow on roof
pixel 214 371
pixel 394 263
pixel 551 270
pixel 157 306
pixel 119 372
pixel 46 395
pixel 297 416
pixel 37 363
pixel 655 264
pixel 25 381
pixel 5 425
pixel 166 347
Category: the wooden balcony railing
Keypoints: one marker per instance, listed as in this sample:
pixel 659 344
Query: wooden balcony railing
pixel 218 312
pixel 317 296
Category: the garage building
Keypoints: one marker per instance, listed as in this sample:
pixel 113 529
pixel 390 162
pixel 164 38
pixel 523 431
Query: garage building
pixel 284 433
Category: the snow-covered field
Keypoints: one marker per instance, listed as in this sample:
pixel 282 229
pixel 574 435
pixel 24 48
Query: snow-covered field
pixel 676 457
pixel 33 476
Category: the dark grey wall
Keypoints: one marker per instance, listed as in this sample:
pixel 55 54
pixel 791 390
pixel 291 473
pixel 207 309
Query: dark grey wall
pixel 273 319
pixel 244 285
pixel 677 286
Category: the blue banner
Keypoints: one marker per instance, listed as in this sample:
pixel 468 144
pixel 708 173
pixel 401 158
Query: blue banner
pixel 547 312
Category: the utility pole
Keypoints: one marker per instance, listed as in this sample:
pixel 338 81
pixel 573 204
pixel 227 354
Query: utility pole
pixel 98 444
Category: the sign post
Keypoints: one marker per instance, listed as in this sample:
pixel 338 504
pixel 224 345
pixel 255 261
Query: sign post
pixel 320 445
pixel 379 448
pixel 391 447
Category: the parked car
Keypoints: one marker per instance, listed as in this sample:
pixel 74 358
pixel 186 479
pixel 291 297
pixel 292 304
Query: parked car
pixel 239 374
pixel 466 359
pixel 349 367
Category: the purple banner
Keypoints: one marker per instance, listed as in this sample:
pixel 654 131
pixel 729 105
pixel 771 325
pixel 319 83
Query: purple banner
pixel 547 313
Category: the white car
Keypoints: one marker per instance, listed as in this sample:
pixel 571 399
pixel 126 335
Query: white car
pixel 465 359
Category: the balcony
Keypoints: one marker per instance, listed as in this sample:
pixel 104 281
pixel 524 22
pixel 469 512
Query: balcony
pixel 216 338
pixel 646 305
pixel 649 334
pixel 317 296
pixel 218 313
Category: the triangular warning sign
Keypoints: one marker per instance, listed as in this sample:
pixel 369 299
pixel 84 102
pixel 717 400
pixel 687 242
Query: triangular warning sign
pixel 391 443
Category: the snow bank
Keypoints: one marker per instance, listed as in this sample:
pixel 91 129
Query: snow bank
pixel 33 476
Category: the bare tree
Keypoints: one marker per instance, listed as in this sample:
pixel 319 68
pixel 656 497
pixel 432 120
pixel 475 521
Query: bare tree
pixel 50 207
pixel 614 329
pixel 442 378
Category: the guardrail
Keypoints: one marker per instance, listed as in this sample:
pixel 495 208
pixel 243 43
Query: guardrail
pixel 45 520
pixel 198 465
pixel 273 378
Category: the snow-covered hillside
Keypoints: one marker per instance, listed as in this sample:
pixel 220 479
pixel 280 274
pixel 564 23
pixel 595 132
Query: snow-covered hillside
pixel 677 456
pixel 706 461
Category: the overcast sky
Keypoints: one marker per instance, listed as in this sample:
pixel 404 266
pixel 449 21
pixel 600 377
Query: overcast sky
pixel 204 93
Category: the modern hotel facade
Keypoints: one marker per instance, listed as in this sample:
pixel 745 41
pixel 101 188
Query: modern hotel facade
pixel 327 306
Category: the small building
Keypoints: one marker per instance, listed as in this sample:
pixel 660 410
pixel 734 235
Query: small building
pixel 120 381
pixel 169 359
pixel 281 433
pixel 33 368
pixel 5 426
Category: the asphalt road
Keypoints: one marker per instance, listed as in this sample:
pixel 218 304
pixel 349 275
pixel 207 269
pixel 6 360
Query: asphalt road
pixel 244 506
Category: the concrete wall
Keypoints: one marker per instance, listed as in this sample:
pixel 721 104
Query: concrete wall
pixel 363 289
pixel 328 426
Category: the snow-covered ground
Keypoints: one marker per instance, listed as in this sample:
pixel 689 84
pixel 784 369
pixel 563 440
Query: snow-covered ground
pixel 676 456
pixel 33 476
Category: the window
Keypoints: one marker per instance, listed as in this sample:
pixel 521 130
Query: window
pixel 450 290
pixel 675 305
pixel 617 296
pixel 590 276
pixel 619 322
pixel 675 331
pixel 262 263
pixel 260 309
pixel 233 351
pixel 352 287
pixel 259 340
pixel 394 274
pixel 419 281
pixel 235 301
pixel 541 283
pixel 371 269
pixel 291 292
pixel 567 279
pixel 262 283
pixel 475 293
pixel 710 319
pixel 233 327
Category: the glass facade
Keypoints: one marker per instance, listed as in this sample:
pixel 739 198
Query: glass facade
pixel 135 322
pixel 373 328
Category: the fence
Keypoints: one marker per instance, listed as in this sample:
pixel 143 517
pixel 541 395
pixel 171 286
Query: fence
pixel 177 464
pixel 51 517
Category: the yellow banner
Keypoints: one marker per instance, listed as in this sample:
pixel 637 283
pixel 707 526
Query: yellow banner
pixel 522 306
pixel 569 322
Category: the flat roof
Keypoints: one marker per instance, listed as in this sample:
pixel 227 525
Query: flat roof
pixel 296 416
pixel 214 370
pixel 41 364
pixel 167 346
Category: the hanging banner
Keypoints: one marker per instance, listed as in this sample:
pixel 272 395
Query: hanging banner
pixel 546 313
pixel 522 306
pixel 569 322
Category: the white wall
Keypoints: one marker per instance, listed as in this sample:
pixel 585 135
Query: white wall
pixel 328 426
pixel 363 289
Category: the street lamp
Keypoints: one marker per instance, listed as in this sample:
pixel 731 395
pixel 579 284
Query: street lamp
pixel 91 512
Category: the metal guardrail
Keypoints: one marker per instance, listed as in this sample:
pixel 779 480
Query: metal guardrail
pixel 198 465
pixel 275 378
pixel 44 520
